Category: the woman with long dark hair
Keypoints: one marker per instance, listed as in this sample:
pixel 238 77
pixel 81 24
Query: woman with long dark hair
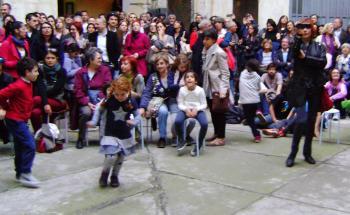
pixel 50 90
pixel 43 41
pixel 282 26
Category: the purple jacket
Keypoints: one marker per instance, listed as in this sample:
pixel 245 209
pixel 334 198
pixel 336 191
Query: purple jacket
pixel 82 83
pixel 341 90
pixel 138 44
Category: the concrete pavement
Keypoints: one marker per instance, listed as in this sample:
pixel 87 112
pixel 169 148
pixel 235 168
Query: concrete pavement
pixel 241 177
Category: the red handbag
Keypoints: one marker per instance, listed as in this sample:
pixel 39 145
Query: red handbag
pixel 326 102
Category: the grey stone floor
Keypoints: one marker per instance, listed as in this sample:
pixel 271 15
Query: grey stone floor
pixel 241 177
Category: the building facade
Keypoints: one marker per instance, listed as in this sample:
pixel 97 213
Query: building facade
pixel 185 9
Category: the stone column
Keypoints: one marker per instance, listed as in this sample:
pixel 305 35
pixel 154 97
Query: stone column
pixel 208 8
pixel 272 9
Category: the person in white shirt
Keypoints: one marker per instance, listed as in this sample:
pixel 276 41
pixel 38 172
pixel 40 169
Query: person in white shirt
pixel 85 18
pixel 249 98
pixel 192 103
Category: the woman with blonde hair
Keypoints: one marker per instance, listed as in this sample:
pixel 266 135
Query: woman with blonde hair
pixel 331 43
pixel 60 29
pixel 154 98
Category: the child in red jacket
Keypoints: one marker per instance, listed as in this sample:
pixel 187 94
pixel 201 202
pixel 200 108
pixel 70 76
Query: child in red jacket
pixel 17 100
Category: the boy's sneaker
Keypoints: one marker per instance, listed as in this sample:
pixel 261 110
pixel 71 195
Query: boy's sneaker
pixel 257 139
pixel 114 181
pixel 104 179
pixel 181 147
pixel 28 180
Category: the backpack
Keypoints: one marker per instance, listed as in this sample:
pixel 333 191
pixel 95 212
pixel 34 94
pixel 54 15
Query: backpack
pixel 47 138
pixel 234 115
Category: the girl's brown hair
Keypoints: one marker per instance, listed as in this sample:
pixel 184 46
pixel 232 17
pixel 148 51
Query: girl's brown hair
pixel 181 59
pixel 121 84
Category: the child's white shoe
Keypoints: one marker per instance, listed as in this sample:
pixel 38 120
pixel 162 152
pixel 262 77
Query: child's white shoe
pixel 28 180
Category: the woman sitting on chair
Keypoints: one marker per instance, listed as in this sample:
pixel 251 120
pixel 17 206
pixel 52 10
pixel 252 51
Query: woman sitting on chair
pixel 157 88
pixel 88 88
pixel 50 90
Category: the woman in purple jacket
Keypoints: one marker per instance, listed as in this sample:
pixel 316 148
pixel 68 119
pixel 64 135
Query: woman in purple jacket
pixel 88 88
pixel 137 45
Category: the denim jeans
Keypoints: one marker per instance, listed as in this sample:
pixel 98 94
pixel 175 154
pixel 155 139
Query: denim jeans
pixel 265 109
pixel 180 126
pixel 24 146
pixel 162 120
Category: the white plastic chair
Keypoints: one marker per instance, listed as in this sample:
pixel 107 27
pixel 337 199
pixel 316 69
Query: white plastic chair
pixel 197 141
pixel 333 112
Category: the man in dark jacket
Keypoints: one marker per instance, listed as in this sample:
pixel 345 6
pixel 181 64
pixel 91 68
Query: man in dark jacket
pixel 197 49
pixel 107 41
pixel 306 87
pixel 284 58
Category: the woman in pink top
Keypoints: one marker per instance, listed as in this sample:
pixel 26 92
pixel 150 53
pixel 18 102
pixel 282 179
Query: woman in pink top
pixel 337 91
pixel 137 45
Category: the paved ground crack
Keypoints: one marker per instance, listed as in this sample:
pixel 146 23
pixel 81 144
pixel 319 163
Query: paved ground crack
pixel 157 184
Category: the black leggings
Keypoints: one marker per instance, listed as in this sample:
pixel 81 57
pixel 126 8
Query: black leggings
pixel 219 121
pixel 307 124
pixel 249 113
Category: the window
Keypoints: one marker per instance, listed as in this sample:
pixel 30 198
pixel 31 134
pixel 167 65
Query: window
pixel 297 7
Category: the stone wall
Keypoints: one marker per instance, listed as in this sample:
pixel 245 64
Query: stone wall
pixel 272 9
pixel 208 8
pixel 21 8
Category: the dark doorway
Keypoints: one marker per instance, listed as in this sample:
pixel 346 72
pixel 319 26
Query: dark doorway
pixel 182 9
pixel 60 4
pixel 241 7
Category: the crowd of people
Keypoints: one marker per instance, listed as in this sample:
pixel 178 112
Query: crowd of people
pixel 113 69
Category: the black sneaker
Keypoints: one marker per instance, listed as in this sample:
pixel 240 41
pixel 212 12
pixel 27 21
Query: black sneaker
pixel 161 143
pixel 181 146
pixel 104 179
pixel 114 181
pixel 80 144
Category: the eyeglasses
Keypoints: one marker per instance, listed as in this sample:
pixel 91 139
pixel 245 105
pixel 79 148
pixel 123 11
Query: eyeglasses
pixel 302 26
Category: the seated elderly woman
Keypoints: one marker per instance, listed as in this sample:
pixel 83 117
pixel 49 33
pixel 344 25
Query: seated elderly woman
pixel 155 97
pixel 90 81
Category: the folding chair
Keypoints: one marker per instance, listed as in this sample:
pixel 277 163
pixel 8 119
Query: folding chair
pixel 326 114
